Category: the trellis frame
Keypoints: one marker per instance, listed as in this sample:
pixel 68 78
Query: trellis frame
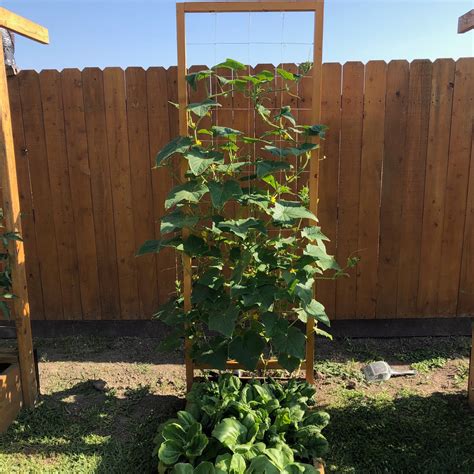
pixel 11 211
pixel 316 7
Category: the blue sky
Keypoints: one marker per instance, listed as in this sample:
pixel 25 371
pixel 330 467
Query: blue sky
pixel 142 33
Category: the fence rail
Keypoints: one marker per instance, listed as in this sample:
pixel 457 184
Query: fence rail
pixel 396 187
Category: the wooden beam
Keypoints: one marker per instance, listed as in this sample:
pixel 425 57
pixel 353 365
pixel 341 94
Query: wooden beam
pixel 11 211
pixel 466 22
pixel 23 27
pixel 255 6
pixel 270 364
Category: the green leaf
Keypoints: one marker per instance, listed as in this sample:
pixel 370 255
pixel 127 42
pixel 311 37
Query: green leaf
pixel 230 464
pixel 247 349
pixel 215 355
pixel 279 457
pixel 224 322
pixel 314 130
pixel 289 76
pixel 200 160
pixel 267 167
pixel 223 192
pixel 285 112
pixel 177 220
pixel 299 468
pixel 201 109
pixel 292 342
pixel 191 191
pixel 313 233
pixel 154 246
pixel 290 151
pixel 170 451
pixel 323 260
pixel 205 468
pixel 231 64
pixel 195 246
pixel 183 468
pixel 287 211
pixel 241 227
pixel 193 78
pixel 262 465
pixel 230 432
pixel 177 145
pixel 289 362
pixel 323 333
pixel 316 310
pixel 224 131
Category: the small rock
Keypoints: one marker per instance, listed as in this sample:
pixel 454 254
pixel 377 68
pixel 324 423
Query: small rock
pixel 351 385
pixel 100 385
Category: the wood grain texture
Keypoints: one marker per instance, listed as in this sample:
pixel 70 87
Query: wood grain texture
pixel 117 138
pixel 329 173
pixel 435 185
pixel 349 184
pixel 396 102
pixel 33 126
pixel 414 169
pixel 457 179
pixel 101 189
pixel 80 181
pixel 370 187
pixel 142 191
pixel 61 198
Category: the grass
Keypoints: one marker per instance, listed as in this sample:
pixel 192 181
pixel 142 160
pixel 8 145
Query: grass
pixel 401 426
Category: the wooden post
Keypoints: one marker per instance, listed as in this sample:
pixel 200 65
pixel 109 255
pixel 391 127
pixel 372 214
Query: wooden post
pixel 11 210
pixel 315 6
pixel 466 22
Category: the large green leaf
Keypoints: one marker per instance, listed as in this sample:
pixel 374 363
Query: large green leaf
pixel 241 227
pixel 285 112
pixel 247 349
pixel 224 131
pixel 313 233
pixel 193 78
pixel 215 355
pixel 177 220
pixel 323 260
pixel 223 192
pixel 292 342
pixel 230 432
pixel 286 212
pixel 224 322
pixel 154 246
pixel 177 145
pixel 279 457
pixel 183 468
pixel 231 64
pixel 191 191
pixel 316 310
pixel 200 160
pixel 289 76
pixel 262 465
pixel 205 468
pixel 290 151
pixel 230 464
pixel 299 468
pixel 267 167
pixel 201 109
pixel 170 451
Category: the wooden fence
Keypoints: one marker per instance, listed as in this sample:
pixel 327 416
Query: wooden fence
pixel 396 187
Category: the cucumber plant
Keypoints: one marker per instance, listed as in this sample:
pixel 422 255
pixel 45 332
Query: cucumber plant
pixel 256 247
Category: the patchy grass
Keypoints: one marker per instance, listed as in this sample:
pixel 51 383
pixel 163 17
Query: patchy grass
pixel 411 424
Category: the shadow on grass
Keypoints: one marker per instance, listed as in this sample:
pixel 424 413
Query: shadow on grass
pixel 83 430
pixel 410 434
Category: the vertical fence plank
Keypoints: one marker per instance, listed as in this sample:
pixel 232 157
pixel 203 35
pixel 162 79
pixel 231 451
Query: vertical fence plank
pixel 370 187
pixel 117 138
pixel 456 187
pixel 466 281
pixel 33 273
pixel 159 135
pixel 33 126
pixel 396 101
pixel 329 173
pixel 79 176
pixel 419 97
pixel 349 183
pixel 61 199
pixel 435 185
pixel 142 192
pixel 101 189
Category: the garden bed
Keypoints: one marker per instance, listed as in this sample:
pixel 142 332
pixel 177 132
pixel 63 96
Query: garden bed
pixel 422 421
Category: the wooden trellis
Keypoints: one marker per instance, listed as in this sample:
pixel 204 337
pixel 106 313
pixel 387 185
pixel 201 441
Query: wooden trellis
pixel 316 7
pixel 11 211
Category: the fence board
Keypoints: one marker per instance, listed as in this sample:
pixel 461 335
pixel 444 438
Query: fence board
pixel 61 199
pixel 456 187
pixel 370 187
pixel 33 126
pixel 159 135
pixel 101 189
pixel 391 202
pixel 33 274
pixel 79 176
pixel 329 173
pixel 419 96
pixel 117 138
pixel 435 185
pixel 349 183
pixel 142 192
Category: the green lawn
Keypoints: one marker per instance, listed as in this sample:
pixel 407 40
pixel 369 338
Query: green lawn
pixel 417 425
